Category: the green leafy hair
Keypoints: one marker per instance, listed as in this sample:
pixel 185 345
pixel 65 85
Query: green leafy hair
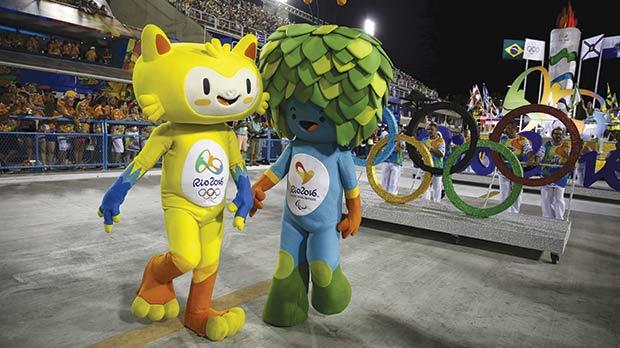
pixel 344 71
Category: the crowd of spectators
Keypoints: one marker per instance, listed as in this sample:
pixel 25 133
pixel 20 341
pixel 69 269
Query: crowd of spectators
pixel 56 47
pixel 31 100
pixel 67 131
pixel 244 14
pixel 62 133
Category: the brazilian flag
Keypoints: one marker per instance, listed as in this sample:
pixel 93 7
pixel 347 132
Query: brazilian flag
pixel 513 49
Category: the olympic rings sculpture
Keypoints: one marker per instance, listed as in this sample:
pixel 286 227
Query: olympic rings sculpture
pixel 372 178
pixel 468 120
pixel 456 161
pixel 471 210
pixel 575 149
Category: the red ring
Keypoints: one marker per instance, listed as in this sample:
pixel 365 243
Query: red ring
pixel 575 140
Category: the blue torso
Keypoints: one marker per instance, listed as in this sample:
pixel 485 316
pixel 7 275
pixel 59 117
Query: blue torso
pixel 319 164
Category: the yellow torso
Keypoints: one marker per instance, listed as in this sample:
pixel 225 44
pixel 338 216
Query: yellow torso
pixel 196 166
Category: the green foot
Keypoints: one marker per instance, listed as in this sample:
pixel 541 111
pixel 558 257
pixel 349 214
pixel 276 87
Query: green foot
pixel 334 297
pixel 287 302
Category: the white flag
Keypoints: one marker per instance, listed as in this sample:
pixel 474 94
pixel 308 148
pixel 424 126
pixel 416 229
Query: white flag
pixel 534 50
pixel 591 47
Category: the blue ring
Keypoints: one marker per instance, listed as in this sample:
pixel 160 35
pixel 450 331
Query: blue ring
pixel 389 147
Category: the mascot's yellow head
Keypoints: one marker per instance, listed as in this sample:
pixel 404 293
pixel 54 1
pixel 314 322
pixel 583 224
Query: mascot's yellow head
pixel 197 83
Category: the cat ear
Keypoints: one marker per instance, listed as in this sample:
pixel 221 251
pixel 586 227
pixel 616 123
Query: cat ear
pixel 247 47
pixel 154 43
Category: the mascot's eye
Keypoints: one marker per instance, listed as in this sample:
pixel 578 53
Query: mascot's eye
pixel 206 87
pixel 248 85
pixel 321 119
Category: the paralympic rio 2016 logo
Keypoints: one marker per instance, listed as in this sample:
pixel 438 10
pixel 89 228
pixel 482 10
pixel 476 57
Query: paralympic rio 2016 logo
pixel 303 174
pixel 207 161
pixel 300 205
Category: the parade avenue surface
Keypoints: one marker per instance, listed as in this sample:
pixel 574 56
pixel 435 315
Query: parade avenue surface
pixel 66 283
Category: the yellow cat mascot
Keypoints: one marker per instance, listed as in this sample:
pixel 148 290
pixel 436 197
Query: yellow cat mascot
pixel 196 88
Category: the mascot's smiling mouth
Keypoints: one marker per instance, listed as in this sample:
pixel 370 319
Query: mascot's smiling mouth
pixel 309 126
pixel 226 102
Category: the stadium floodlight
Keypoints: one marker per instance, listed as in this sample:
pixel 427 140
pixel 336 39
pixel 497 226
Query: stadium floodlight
pixel 369 27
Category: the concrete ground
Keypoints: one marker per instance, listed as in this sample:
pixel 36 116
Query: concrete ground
pixel 65 283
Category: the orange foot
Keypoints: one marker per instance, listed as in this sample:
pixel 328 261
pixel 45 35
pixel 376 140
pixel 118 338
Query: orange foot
pixel 156 299
pixel 206 321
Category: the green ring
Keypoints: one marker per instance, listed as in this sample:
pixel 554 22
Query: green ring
pixel 469 209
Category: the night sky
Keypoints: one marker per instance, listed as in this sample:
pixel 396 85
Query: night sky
pixel 450 45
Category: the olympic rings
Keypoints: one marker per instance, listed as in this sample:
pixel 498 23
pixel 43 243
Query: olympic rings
pixel 532 49
pixel 467 208
pixel 455 163
pixel 575 150
pixel 210 193
pixel 372 179
pixel 392 131
pixel 468 120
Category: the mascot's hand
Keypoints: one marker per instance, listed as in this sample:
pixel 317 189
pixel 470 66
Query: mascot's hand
pixel 109 209
pixel 151 106
pixel 262 108
pixel 242 204
pixel 352 221
pixel 259 197
pixel 258 189
pixel 110 212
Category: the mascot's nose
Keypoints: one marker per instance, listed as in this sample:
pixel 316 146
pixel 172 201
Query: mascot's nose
pixel 231 93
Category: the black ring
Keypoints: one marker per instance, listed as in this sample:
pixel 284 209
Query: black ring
pixel 468 120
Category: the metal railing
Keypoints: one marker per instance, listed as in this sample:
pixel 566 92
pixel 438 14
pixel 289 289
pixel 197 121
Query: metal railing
pixel 104 149
pixel 45 150
pixel 21 150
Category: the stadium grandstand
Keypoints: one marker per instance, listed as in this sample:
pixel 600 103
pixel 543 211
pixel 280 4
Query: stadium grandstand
pixel 66 99
pixel 234 18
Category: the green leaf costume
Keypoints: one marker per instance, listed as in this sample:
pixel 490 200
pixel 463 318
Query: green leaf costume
pixel 342 70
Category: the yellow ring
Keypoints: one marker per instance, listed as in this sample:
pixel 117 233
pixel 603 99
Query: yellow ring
pixel 372 179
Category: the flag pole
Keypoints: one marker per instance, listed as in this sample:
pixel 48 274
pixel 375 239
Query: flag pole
pixel 527 62
pixel 598 72
pixel 578 82
pixel 540 86
pixel 525 82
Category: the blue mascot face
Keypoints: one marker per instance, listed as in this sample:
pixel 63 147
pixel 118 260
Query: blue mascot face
pixel 308 122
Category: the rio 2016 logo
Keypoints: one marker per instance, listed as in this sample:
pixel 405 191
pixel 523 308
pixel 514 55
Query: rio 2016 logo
pixel 303 174
pixel 207 161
